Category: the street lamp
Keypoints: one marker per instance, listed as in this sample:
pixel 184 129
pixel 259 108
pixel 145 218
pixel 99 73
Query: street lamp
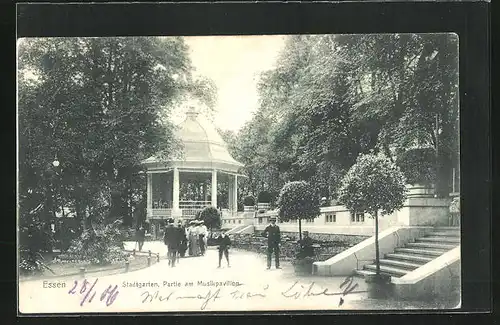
pixel 55 163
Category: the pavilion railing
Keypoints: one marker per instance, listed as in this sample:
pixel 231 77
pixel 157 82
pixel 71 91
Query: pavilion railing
pixel 190 208
pixel 159 204
pixel 194 204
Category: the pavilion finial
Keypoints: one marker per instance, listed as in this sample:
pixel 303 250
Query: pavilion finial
pixel 192 113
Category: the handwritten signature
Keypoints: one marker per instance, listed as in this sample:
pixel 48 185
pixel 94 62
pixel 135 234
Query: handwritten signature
pixel 87 290
pixel 206 298
pixel 297 291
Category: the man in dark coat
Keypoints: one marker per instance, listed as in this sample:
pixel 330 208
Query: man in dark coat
pixel 172 239
pixel 306 248
pixel 272 232
pixel 140 235
pixel 224 244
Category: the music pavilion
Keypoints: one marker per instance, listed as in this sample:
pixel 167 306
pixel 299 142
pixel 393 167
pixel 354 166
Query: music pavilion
pixel 202 174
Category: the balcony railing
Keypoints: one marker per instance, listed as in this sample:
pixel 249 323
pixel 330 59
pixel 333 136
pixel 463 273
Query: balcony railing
pixel 162 204
pixel 194 204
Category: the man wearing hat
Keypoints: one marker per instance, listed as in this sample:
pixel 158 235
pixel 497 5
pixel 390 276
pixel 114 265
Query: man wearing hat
pixel 306 248
pixel 273 234
pixel 172 240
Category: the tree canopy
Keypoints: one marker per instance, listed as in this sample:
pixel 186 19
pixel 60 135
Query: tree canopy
pixel 374 183
pixel 333 97
pixel 98 106
pixel 298 200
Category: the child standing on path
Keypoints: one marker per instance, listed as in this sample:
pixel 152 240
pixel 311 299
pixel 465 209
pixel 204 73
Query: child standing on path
pixel 224 244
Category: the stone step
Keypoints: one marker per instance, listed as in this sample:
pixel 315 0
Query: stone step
pixel 364 273
pixel 410 257
pixel 400 263
pixel 447 228
pixel 445 234
pixel 445 247
pixel 393 271
pixel 419 251
pixel 439 239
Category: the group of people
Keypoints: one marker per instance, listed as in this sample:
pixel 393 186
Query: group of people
pixel 197 235
pixel 193 240
pixel 180 239
pixel 176 241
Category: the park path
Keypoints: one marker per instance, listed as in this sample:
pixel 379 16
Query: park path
pixel 197 285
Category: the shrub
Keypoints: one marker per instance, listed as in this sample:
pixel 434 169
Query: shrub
pixel 418 166
pixel 211 217
pixel 249 201
pixel 264 197
pixel 99 245
pixel 30 262
pixel 298 200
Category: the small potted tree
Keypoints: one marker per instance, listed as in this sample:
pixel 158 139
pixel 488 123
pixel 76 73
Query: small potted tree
pixel 419 168
pixel 373 185
pixel 248 203
pixel 297 201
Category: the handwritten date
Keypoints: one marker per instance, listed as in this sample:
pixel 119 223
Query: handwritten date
pixel 86 289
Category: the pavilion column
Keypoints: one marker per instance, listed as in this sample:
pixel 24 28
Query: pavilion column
pixel 175 192
pixel 149 196
pixel 205 192
pixel 230 194
pixel 235 194
pixel 214 188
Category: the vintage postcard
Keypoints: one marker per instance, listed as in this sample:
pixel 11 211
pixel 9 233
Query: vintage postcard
pixel 238 173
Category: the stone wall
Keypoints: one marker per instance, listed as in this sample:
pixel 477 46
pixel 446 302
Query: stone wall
pixel 329 244
pixel 323 237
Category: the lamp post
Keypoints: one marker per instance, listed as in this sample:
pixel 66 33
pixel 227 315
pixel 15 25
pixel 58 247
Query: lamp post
pixel 50 201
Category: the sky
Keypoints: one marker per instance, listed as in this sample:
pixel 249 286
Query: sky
pixel 234 63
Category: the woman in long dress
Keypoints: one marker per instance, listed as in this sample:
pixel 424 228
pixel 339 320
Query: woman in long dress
pixel 194 247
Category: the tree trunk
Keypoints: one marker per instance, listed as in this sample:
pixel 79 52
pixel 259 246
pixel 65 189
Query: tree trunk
pixel 377 252
pixel 300 229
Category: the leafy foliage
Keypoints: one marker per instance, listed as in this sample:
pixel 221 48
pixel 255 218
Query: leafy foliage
pixel 100 244
pixel 373 184
pixel 211 217
pixel 298 200
pixel 249 201
pixel 332 97
pixel 264 197
pixel 418 165
pixel 30 262
pixel 99 106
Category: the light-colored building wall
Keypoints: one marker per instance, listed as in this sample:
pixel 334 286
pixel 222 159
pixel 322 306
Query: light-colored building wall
pixel 231 220
pixel 339 220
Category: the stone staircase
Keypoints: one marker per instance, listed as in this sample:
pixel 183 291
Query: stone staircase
pixel 415 254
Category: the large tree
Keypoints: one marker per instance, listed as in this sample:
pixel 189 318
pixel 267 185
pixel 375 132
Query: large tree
pixel 96 105
pixel 332 97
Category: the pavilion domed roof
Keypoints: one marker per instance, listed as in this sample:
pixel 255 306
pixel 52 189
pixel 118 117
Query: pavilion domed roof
pixel 202 143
